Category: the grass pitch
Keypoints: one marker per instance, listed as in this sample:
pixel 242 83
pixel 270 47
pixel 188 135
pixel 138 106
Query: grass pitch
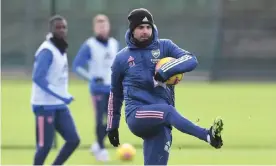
pixel 248 110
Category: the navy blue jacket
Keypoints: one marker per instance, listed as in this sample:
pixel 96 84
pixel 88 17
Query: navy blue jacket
pixel 132 76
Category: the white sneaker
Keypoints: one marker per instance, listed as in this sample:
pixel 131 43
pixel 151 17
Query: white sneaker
pixel 102 155
pixel 95 148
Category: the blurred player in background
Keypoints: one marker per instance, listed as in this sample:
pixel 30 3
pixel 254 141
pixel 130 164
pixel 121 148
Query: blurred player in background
pixel 50 95
pixel 149 108
pixel 98 53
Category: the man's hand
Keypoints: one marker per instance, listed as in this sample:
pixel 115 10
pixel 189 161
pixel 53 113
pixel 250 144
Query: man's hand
pixel 158 77
pixel 99 80
pixel 158 83
pixel 113 136
pixel 68 100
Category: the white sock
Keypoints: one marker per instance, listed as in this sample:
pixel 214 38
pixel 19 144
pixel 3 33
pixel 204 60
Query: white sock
pixel 208 139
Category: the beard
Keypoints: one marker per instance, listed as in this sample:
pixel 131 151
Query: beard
pixel 142 42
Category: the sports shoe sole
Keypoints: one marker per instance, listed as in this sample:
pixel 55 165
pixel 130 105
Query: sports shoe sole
pixel 217 127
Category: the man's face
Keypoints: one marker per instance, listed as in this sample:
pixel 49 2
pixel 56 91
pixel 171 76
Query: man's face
pixel 60 29
pixel 102 28
pixel 142 32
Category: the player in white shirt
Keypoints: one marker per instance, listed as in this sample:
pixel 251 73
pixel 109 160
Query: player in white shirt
pixel 98 53
pixel 50 95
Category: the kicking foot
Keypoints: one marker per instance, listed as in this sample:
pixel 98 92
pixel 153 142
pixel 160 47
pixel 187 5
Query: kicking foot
pixel 214 136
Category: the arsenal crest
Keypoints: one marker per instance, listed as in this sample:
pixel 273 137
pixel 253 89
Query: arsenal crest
pixel 155 53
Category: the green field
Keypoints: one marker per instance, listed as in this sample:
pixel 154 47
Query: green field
pixel 248 110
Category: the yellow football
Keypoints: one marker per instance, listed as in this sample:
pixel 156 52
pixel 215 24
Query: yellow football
pixel 126 152
pixel 174 79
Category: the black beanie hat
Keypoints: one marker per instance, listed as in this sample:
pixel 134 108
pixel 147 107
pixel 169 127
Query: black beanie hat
pixel 139 16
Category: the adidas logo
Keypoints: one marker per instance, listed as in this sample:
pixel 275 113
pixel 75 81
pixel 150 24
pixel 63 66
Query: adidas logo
pixel 145 19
